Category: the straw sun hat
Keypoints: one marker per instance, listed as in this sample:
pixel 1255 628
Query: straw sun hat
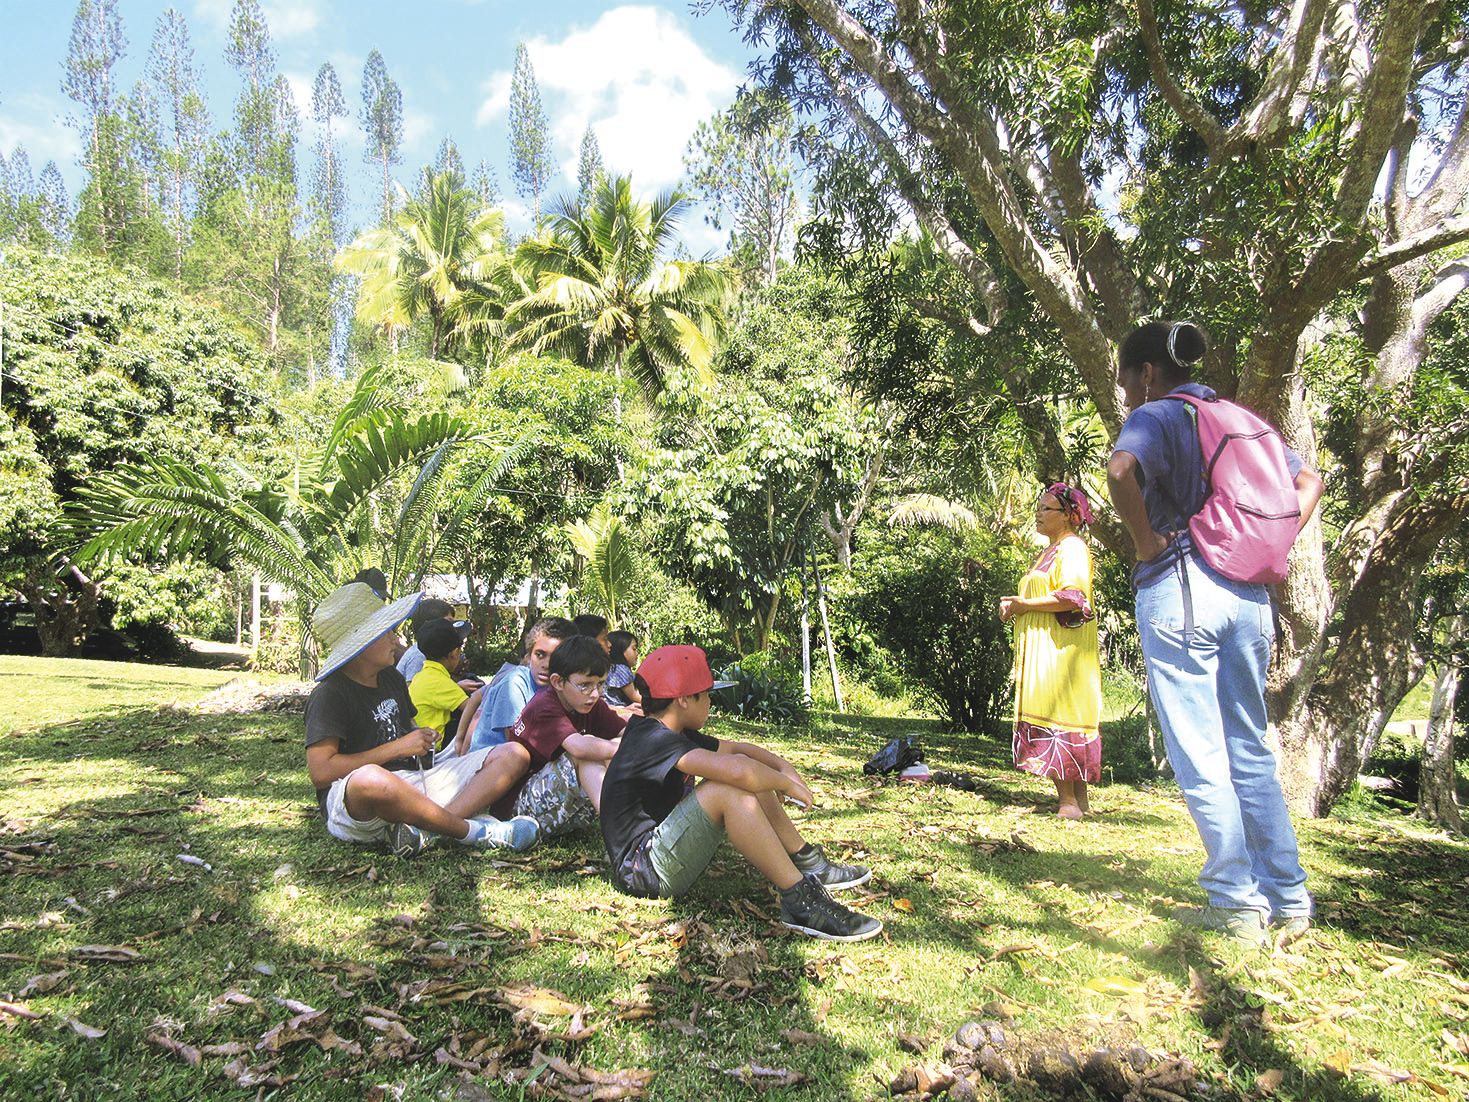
pixel 350 619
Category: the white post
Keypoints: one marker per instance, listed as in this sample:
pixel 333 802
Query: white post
pixel 255 615
pixel 831 651
pixel 805 651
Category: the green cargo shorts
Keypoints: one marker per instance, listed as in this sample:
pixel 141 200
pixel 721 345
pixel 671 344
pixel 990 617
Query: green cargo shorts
pixel 682 845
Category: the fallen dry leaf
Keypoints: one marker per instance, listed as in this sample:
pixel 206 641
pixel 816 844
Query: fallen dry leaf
pixel 39 985
pixel 1268 1082
pixel 288 1032
pixel 221 1003
pixel 112 954
pixel 537 1000
pixel 82 1029
pixel 19 1010
pixel 1116 985
pixel 243 1075
pixel 753 1075
pixel 187 1053
pixel 801 1037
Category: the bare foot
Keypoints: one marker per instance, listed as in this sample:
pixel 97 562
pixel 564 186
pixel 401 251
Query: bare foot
pixel 1081 800
pixel 1068 811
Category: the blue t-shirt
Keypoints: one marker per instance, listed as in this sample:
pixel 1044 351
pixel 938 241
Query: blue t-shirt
pixel 503 702
pixel 1162 437
pixel 618 678
pixel 411 663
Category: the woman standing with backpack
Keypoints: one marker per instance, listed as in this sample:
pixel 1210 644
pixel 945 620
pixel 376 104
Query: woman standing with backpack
pixel 1199 527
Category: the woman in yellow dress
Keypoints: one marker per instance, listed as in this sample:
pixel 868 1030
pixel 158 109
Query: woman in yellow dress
pixel 1058 672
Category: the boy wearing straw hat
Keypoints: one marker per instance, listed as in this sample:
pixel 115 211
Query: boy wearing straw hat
pixel 372 766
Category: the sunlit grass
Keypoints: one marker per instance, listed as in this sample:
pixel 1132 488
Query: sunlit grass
pixel 986 896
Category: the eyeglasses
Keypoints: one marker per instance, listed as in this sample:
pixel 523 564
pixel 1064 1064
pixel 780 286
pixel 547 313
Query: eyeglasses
pixel 589 688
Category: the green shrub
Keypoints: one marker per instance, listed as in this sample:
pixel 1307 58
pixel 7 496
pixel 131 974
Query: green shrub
pixel 929 597
pixel 760 695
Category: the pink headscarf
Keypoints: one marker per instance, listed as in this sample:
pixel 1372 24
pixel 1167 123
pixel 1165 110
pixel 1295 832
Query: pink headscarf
pixel 1078 507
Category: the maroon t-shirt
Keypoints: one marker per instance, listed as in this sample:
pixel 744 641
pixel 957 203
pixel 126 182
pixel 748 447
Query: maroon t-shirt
pixel 544 724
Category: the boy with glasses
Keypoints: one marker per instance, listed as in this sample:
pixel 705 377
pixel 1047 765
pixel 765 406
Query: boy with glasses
pixel 571 735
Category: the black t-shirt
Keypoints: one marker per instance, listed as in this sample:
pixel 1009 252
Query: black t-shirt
pixel 643 783
pixel 360 718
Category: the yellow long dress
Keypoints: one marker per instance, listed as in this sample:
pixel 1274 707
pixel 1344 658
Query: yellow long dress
pixel 1058 670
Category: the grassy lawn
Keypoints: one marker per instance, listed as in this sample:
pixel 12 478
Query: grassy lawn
pixel 463 976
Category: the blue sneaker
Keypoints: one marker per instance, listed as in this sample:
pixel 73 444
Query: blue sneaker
pixel 487 832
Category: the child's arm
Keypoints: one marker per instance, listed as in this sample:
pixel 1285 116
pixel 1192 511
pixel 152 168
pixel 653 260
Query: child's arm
pixel 763 756
pixel 745 772
pixel 467 717
pixel 590 747
pixel 325 763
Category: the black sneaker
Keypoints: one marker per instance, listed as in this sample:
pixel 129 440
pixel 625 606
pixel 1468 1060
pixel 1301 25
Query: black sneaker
pixel 833 877
pixel 809 909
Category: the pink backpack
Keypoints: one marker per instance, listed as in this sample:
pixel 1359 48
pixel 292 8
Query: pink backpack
pixel 1250 517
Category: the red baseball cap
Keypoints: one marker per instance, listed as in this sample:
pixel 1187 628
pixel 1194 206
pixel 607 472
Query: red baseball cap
pixel 671 672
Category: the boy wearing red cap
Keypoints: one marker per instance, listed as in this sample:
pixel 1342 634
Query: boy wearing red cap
pixel 661 828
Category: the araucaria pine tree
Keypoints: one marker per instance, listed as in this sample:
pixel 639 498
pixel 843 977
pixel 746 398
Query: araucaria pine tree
pixel 590 167
pixel 530 141
pixel 382 119
pixel 328 184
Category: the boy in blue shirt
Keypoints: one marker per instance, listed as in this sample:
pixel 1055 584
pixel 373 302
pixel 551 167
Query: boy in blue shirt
pixel 506 697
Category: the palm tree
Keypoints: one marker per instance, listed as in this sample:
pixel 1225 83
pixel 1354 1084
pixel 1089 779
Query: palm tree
pixel 601 293
pixel 442 255
pixel 604 544
pixel 322 522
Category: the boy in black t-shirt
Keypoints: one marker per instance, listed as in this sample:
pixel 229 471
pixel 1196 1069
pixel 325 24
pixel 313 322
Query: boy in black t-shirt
pixel 661 829
pixel 372 766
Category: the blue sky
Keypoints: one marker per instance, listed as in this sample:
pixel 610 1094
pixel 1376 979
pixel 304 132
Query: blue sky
pixel 643 75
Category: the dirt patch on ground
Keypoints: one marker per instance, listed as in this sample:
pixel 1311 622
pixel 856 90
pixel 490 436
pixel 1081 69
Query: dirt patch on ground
pixel 246 696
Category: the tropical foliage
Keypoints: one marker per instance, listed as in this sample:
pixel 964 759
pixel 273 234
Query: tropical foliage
pixel 442 257
pixel 603 291
pixel 310 528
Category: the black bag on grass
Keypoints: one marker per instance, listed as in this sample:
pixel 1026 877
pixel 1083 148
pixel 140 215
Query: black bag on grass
pixel 897 754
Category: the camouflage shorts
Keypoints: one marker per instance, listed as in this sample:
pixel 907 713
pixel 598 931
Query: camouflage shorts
pixel 553 797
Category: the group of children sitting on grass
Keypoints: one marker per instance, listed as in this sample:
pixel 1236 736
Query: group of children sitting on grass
pixel 545 748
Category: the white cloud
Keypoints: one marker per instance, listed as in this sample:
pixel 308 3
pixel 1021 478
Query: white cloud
pixel 38 122
pixel 286 20
pixel 497 98
pixel 638 78
pixel 416 127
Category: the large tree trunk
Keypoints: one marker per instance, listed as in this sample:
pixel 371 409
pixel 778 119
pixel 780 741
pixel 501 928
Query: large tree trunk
pixel 1438 800
pixel 1347 652
pixel 65 607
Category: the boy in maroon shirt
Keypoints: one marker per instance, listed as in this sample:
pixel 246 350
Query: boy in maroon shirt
pixel 571 735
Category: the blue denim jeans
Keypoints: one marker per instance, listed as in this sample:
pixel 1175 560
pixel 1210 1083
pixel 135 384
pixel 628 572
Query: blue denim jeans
pixel 1209 692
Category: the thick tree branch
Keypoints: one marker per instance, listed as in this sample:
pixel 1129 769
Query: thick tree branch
pixel 1446 233
pixel 1449 184
pixel 970 264
pixel 1099 251
pixel 1290 66
pixel 1193 113
pixel 1057 289
pixel 1383 98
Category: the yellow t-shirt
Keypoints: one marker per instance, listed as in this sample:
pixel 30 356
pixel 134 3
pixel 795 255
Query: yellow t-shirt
pixel 435 694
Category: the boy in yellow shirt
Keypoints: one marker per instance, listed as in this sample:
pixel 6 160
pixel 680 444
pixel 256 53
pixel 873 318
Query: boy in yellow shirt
pixel 433 691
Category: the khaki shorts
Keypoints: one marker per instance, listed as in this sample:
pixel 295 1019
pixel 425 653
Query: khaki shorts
pixel 554 798
pixel 441 783
pixel 682 845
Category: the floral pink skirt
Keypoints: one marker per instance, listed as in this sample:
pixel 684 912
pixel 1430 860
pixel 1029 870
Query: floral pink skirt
pixel 1056 754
